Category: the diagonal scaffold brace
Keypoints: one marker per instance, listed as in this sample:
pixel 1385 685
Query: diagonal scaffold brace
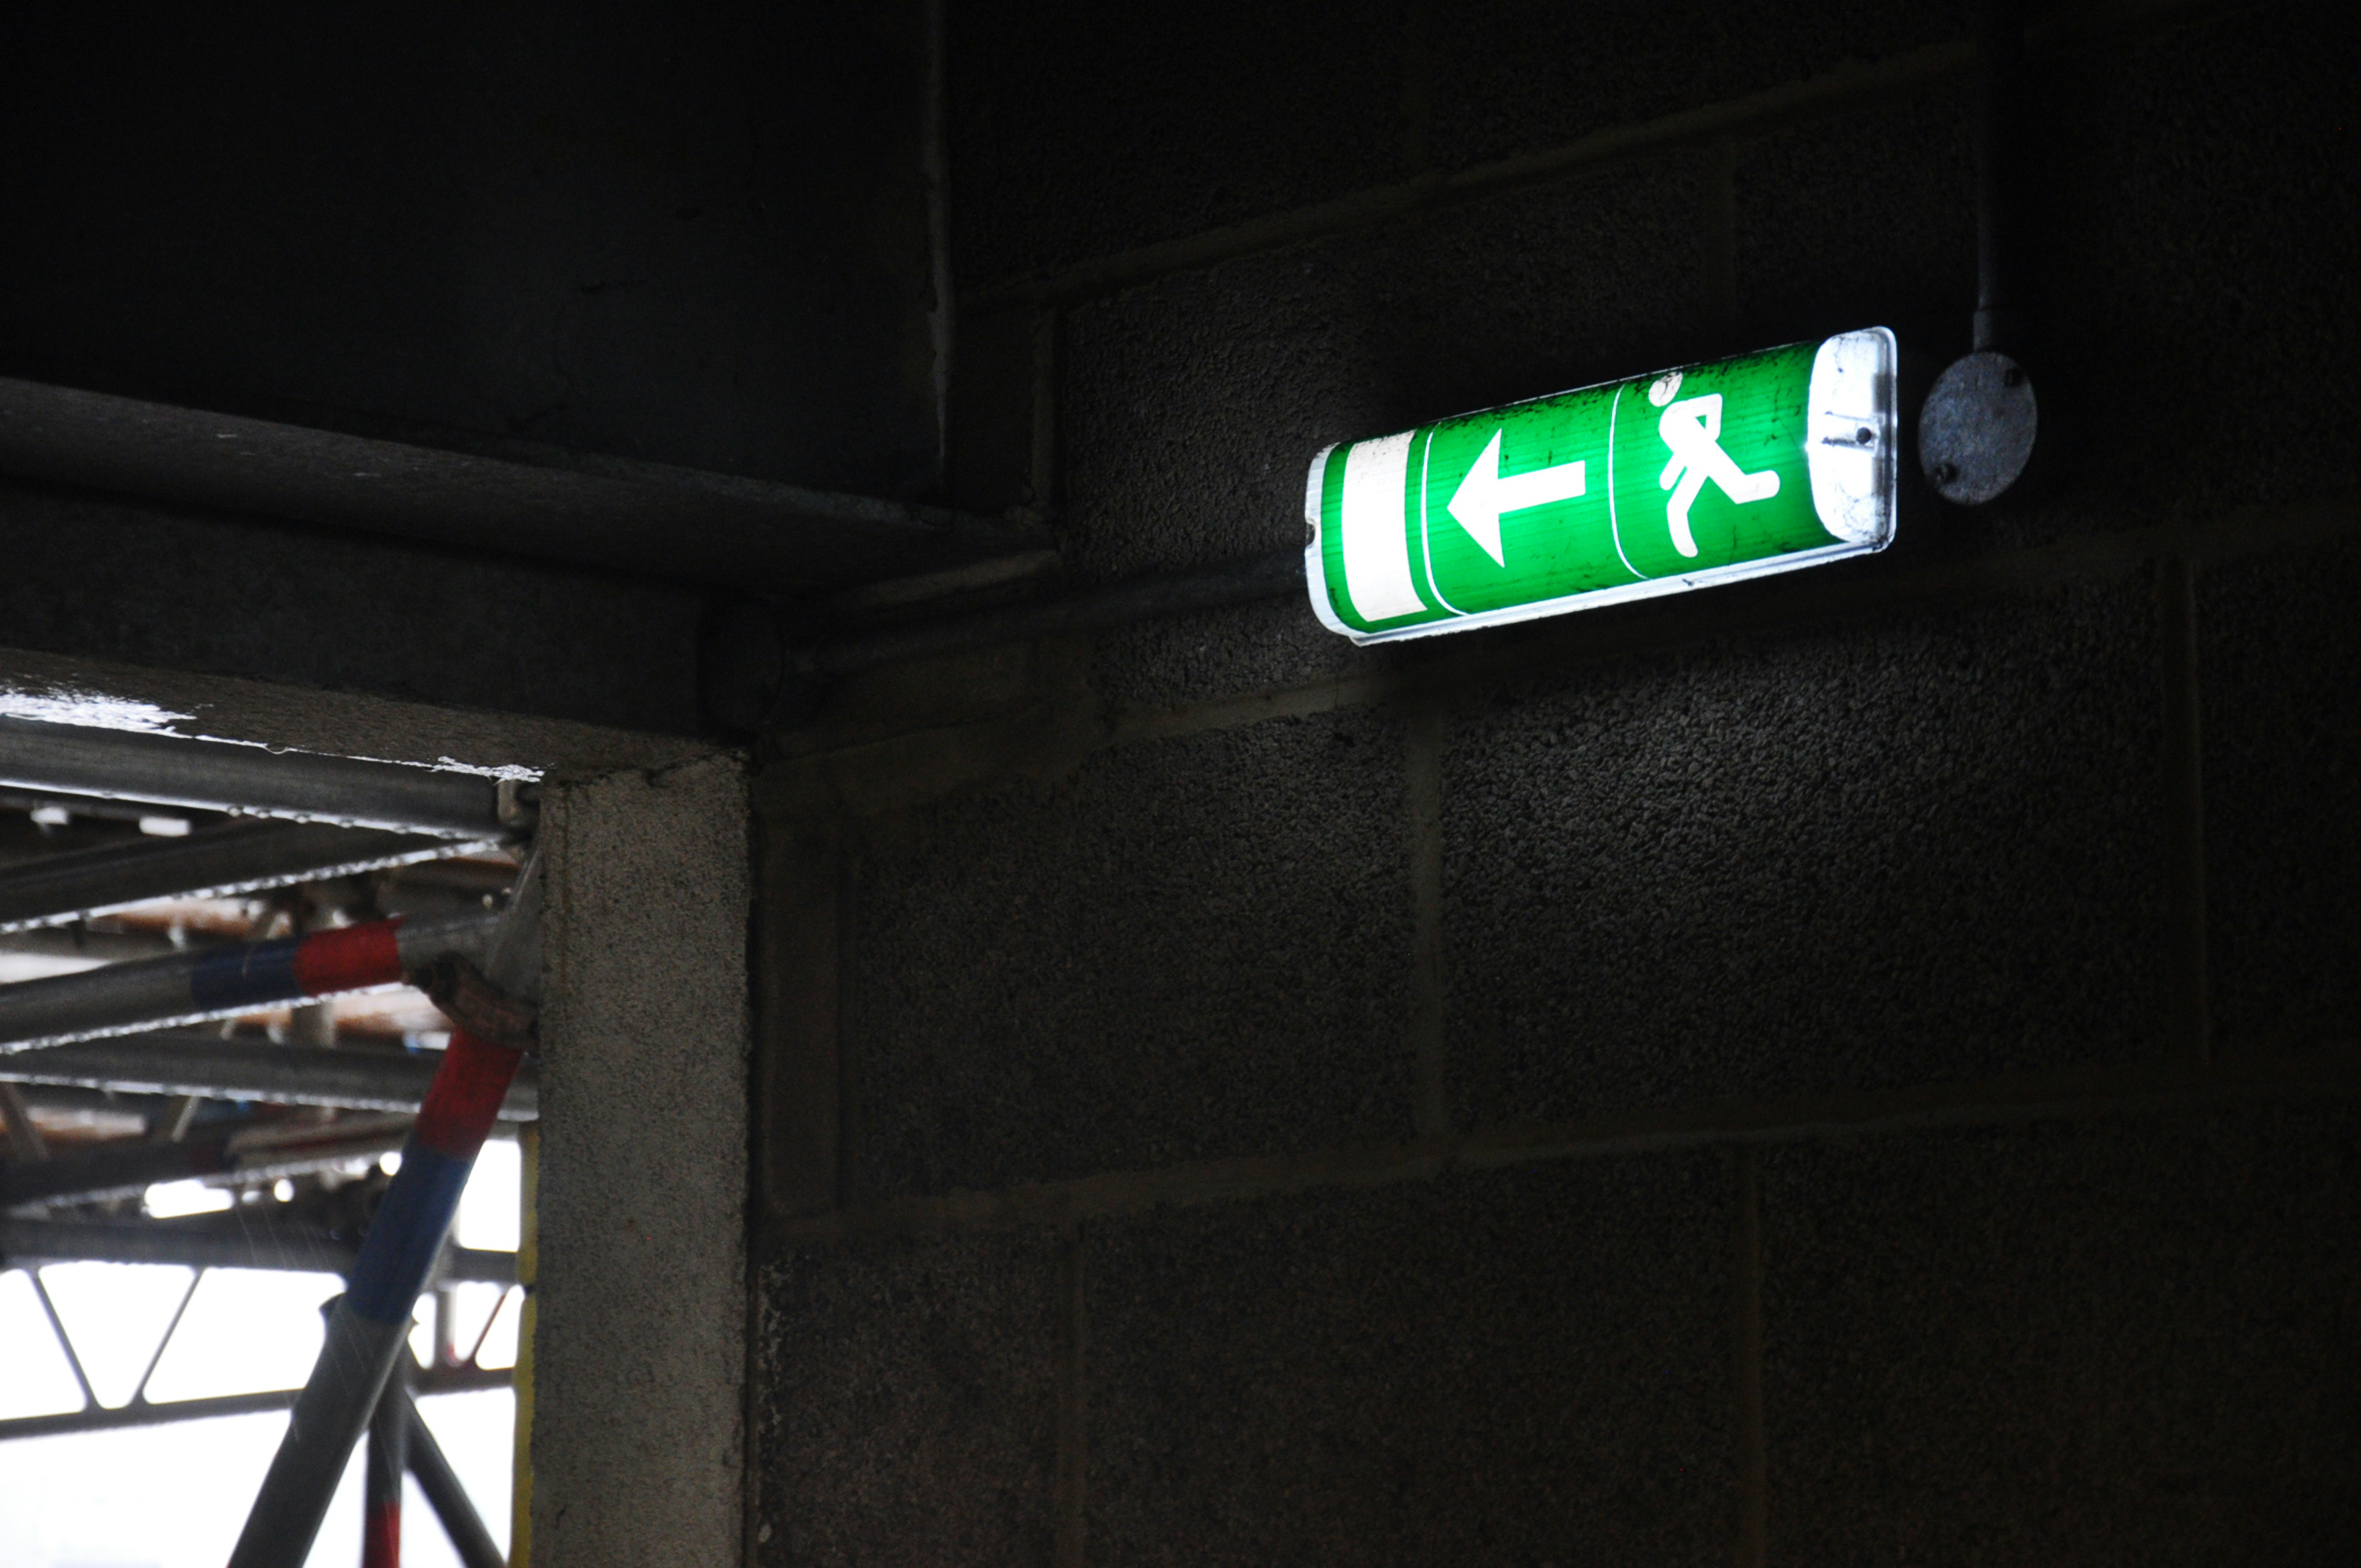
pixel 445 1494
pixel 370 1325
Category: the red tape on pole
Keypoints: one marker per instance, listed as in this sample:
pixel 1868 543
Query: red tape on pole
pixel 381 1535
pixel 352 958
pixel 464 1097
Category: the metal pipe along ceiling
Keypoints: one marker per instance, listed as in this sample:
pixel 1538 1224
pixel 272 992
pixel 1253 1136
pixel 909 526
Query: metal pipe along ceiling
pixel 1216 587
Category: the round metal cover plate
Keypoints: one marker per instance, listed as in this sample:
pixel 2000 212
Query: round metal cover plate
pixel 1977 430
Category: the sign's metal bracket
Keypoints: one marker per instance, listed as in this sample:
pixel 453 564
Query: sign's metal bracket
pixel 1981 420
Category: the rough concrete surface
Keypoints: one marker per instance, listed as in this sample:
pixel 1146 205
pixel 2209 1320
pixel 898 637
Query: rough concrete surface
pixel 1863 219
pixel 240 596
pixel 1189 949
pixel 639 1355
pixel 909 1403
pixel 2080 1343
pixel 1520 78
pixel 2194 217
pixel 1176 660
pixel 1521 1366
pixel 1899 851
pixel 2280 662
pixel 1134 151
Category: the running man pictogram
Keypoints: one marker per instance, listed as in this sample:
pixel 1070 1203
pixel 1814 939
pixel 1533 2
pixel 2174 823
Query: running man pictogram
pixel 1692 428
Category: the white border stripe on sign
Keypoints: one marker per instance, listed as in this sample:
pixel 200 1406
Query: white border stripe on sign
pixel 1370 517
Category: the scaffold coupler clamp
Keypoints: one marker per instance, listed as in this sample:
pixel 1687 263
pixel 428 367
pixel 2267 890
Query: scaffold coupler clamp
pixel 467 997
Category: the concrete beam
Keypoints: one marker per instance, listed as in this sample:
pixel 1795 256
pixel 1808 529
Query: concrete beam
pixel 678 523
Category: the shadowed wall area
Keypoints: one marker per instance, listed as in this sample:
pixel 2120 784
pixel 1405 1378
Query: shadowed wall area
pixel 1852 1066
pixel 1856 1067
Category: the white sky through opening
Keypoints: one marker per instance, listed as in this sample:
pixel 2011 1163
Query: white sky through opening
pixel 175 1495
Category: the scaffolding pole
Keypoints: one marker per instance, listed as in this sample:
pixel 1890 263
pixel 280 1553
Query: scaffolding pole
pixel 254 1238
pixel 387 1456
pixel 255 781
pixel 233 858
pixel 446 1497
pixel 187 1062
pixel 250 1152
pixel 370 1324
pixel 139 1413
pixel 145 993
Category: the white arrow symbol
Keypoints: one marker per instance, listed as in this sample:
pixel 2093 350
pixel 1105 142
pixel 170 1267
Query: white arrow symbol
pixel 1483 495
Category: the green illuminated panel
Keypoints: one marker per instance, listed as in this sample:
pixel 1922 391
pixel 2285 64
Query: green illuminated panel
pixel 1650 486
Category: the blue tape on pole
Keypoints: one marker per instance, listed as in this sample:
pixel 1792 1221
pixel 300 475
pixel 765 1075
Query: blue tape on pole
pixel 410 1221
pixel 243 977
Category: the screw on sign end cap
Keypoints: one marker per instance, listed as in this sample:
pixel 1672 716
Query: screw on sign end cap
pixel 1977 428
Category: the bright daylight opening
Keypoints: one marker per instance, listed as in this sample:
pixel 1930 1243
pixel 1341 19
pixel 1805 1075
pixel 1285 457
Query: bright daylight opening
pixel 211 1056
pixel 175 1495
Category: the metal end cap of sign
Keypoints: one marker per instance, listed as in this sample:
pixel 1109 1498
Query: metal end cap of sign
pixel 1977 430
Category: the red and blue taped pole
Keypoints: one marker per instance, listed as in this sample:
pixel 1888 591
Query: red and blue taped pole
pixel 147 993
pixel 370 1325
pixel 460 1108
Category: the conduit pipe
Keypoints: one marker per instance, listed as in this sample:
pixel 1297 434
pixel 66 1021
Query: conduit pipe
pixel 1981 425
pixel 370 1324
pixel 194 1063
pixel 220 775
pixel 126 998
pixel 236 856
pixel 1116 604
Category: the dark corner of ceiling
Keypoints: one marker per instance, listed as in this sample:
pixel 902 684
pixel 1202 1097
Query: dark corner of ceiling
pixel 470 363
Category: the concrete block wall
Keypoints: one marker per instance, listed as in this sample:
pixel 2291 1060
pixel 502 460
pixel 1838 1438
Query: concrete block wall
pixel 1853 1067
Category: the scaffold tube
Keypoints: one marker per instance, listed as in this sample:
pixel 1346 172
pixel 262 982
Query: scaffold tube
pixel 148 993
pixel 370 1325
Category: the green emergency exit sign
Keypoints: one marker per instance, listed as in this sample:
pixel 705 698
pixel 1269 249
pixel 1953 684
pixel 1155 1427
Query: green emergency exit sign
pixel 1655 485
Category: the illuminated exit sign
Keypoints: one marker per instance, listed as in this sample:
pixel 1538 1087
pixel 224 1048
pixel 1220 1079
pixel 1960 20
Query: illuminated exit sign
pixel 1659 484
